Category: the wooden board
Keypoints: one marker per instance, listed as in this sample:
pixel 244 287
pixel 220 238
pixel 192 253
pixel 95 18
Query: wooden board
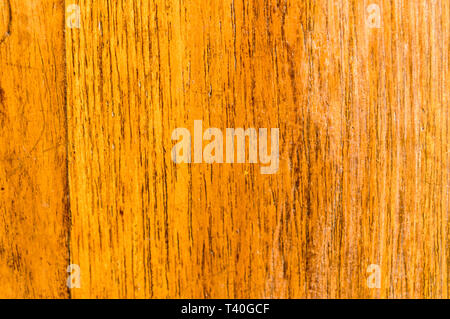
pixel 34 223
pixel 363 179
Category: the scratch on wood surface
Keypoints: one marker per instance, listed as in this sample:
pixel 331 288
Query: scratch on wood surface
pixel 7 31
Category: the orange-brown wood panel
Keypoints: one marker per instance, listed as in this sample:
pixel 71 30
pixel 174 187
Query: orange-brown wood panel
pixel 363 115
pixel 363 179
pixel 33 175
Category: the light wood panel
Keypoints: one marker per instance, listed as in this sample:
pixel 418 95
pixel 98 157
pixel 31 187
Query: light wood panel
pixel 364 171
pixel 33 175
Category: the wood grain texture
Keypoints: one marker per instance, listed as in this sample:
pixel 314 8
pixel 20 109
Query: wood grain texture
pixel 364 172
pixel 364 168
pixel 33 175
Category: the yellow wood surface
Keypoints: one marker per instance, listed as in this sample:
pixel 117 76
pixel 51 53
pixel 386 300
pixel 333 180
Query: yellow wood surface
pixel 34 224
pixel 88 115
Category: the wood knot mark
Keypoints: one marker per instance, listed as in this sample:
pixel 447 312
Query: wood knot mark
pixel 4 35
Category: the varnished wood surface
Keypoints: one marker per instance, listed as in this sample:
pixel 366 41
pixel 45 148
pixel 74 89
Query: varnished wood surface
pixel 34 223
pixel 87 178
